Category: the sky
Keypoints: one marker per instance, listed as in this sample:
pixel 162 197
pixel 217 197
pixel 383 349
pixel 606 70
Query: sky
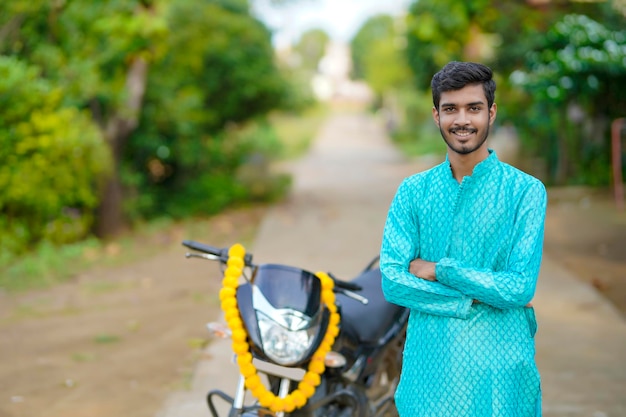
pixel 341 19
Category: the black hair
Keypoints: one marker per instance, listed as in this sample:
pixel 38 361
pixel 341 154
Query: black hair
pixel 456 75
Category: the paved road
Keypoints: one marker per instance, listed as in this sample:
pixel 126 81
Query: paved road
pixel 333 221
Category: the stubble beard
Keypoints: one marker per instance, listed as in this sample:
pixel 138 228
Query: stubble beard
pixel 464 149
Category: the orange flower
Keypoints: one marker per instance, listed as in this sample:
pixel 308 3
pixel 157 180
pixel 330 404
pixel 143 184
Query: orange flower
pixel 230 280
pixel 227 292
pixel 298 398
pixel 235 262
pixel 252 381
pixel 237 250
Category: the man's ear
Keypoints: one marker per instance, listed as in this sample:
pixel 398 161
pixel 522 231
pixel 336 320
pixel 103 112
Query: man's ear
pixel 436 115
pixel 492 113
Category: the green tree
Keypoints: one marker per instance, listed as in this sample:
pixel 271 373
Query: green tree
pixel 497 32
pixel 52 158
pixel 394 75
pixel 379 59
pixel 378 41
pixel 99 53
pixel 576 76
pixel 165 82
pixel 438 32
pixel 311 47
pixel 501 34
pixel 217 76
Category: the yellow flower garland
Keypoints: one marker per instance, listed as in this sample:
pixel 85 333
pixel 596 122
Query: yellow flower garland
pixel 311 379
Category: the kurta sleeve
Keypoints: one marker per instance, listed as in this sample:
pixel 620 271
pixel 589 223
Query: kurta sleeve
pixel 399 247
pixel 515 286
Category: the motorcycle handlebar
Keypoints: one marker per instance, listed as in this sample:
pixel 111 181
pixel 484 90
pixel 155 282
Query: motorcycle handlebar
pixel 221 253
pixel 201 247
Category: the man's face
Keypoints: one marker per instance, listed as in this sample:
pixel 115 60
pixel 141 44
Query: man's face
pixel 464 118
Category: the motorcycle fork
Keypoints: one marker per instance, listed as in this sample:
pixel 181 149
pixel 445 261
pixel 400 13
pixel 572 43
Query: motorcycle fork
pixel 240 396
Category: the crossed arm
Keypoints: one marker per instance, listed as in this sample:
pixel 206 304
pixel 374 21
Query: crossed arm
pixel 449 287
pixel 427 271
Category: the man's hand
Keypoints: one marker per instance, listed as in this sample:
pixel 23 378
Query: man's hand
pixel 423 269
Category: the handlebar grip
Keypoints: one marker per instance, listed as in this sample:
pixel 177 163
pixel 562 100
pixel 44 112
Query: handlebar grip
pixel 346 285
pixel 201 247
pixel 222 253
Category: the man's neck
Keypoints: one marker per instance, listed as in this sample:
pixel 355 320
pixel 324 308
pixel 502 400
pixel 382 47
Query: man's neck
pixel 463 165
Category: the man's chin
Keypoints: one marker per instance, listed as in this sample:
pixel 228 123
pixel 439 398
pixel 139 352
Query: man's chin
pixel 462 151
pixel 461 148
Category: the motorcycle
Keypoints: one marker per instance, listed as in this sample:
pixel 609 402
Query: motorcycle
pixel 285 321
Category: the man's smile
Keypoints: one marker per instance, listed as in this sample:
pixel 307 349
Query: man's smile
pixel 463 133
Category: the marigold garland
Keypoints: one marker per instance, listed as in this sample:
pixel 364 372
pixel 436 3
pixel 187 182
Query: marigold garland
pixel 298 397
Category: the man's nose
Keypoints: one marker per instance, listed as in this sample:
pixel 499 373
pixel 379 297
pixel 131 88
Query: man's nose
pixel 462 118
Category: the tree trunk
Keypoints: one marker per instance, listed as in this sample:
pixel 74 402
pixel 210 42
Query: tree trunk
pixel 117 130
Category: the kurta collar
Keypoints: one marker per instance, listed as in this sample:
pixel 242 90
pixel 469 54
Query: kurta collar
pixel 483 167
pixel 486 165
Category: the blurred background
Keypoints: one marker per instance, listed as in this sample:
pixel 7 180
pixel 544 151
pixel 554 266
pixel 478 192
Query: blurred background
pixel 119 113
pixel 126 124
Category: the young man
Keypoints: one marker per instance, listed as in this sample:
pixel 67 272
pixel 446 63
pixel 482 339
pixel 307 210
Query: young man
pixel 461 249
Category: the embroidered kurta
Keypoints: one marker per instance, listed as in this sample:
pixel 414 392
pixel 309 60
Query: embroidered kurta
pixel 470 348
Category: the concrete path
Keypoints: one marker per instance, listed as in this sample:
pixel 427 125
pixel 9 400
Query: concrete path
pixel 333 221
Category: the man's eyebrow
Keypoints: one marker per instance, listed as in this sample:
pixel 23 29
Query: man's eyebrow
pixel 474 103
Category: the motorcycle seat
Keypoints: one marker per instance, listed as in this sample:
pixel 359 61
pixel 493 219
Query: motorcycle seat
pixel 369 322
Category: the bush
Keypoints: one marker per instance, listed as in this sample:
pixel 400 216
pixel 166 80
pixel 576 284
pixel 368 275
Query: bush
pixel 52 159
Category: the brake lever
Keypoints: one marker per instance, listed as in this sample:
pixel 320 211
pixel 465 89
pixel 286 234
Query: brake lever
pixel 206 256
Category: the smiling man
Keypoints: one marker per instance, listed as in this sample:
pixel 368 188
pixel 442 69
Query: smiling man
pixel 462 249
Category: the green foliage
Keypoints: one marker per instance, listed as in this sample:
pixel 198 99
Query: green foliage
pixel 51 161
pixel 296 131
pixel 379 28
pixel 497 32
pixel 220 67
pixel 46 264
pixel 65 85
pixel 299 95
pixel 216 79
pixel 84 47
pixel 564 64
pixel 437 31
pixel 578 71
pixel 418 135
pixel 311 47
pixel 391 76
pixel 578 57
pixel 380 41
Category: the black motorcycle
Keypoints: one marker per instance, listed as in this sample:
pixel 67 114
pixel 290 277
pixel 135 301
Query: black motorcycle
pixel 285 321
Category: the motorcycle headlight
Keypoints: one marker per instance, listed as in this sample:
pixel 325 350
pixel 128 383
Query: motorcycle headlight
pixel 285 345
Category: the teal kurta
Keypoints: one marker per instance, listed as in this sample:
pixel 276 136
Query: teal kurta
pixel 464 358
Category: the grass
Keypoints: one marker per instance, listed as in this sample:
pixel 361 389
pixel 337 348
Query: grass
pixel 83 357
pixel 417 134
pixel 48 265
pixel 296 131
pixel 422 145
pixel 106 339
